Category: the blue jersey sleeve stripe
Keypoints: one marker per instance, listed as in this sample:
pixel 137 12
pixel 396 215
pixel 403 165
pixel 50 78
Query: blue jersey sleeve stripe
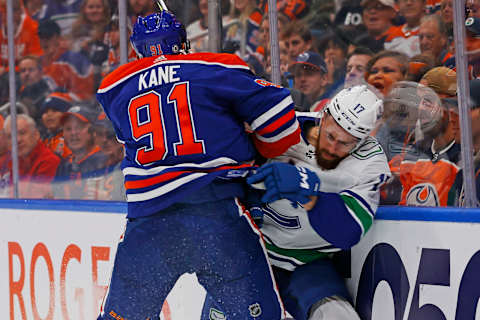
pixel 274 111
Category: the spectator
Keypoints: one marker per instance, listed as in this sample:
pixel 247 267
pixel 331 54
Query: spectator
pixel 26 38
pixel 310 76
pixel 404 38
pixel 62 12
pixel 90 25
pixel 433 6
pixel 242 36
pixel 357 66
pixel 112 40
pixel 34 87
pixel 197 31
pixel 34 7
pixel 36 163
pixel 298 39
pixel 137 8
pixel 419 65
pixel 70 71
pixel 386 68
pixel 334 51
pixel 442 80
pixel 428 178
pixel 378 18
pixel 446 12
pixel 459 188
pixel 433 38
pixel 79 174
pixel 111 186
pixel 264 32
pixel 52 112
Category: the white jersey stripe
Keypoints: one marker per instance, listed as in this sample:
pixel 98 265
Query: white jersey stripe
pixel 156 170
pixel 281 135
pixel 254 228
pixel 163 189
pixel 271 113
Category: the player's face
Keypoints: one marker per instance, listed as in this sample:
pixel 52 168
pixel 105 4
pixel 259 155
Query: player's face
pixel 27 137
pixel 29 72
pixel 76 134
pixel 356 67
pixel 333 144
pixel 384 73
pixel 51 119
pixel 94 11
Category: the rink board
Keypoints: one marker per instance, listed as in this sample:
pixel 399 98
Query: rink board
pixel 56 257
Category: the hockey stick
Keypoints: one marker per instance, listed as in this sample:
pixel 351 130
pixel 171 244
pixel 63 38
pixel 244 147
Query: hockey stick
pixel 161 5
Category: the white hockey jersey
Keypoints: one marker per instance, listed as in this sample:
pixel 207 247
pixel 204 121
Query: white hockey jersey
pixel 342 214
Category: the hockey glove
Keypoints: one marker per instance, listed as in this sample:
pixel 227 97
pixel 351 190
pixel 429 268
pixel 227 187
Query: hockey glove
pixel 285 181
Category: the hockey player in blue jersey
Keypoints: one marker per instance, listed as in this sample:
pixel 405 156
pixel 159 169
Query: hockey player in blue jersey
pixel 181 118
pixel 321 197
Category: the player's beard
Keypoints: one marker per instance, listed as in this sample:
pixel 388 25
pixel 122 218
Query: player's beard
pixel 325 163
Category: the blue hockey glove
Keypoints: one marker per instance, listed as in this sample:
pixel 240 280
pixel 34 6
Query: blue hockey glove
pixel 285 181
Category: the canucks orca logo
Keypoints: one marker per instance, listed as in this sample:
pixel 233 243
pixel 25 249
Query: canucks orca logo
pixel 216 314
pixel 255 310
pixel 423 194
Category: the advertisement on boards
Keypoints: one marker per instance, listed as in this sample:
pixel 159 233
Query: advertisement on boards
pixel 56 265
pixel 412 270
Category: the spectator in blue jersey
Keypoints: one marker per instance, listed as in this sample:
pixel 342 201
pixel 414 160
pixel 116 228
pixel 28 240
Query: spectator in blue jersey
pixel 70 71
pixel 181 118
pixel 79 174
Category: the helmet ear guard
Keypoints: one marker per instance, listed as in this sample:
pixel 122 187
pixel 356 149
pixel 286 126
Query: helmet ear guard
pixel 158 34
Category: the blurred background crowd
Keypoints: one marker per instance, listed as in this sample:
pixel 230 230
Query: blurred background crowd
pixel 404 49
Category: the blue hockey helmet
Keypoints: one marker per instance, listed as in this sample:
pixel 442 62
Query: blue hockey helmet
pixel 159 33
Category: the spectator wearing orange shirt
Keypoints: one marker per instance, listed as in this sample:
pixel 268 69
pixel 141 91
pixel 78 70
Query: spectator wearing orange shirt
pixel 37 164
pixel 71 71
pixel 378 18
pixel 52 112
pixel 26 39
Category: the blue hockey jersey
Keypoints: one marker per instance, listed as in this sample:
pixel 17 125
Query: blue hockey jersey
pixel 182 117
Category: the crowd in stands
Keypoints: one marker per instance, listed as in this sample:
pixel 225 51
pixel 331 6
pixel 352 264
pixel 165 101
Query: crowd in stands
pixel 402 48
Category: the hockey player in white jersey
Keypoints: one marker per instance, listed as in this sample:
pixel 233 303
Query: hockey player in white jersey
pixel 321 197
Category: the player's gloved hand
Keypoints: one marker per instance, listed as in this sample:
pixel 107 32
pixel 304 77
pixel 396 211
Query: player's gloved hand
pixel 285 181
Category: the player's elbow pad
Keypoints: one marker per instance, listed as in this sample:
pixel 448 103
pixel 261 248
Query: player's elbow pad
pixel 331 219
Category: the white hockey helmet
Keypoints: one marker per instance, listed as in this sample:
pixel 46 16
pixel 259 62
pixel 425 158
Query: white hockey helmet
pixel 356 110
